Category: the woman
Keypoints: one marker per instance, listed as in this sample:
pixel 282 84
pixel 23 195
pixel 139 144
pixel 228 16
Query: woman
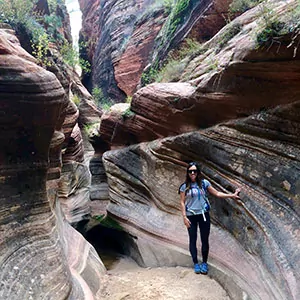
pixel 195 210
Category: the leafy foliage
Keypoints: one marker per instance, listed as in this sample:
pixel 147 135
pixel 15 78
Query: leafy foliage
pixel 240 6
pixel 107 221
pixel 76 99
pixel 127 114
pixel 102 101
pixel 41 29
pixel 149 75
pixel 175 64
pixel 15 11
pixel 271 31
pixel 231 30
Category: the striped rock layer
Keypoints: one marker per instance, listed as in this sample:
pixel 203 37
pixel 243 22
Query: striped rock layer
pixel 41 256
pixel 254 245
pixel 224 82
pixel 124 37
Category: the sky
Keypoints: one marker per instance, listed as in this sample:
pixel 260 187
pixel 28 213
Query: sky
pixel 75 19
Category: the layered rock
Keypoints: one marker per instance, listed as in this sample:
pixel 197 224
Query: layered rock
pixel 121 45
pixel 33 248
pixel 32 257
pixel 254 246
pixel 129 66
pixel 232 78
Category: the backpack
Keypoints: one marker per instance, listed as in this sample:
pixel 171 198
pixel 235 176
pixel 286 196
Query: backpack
pixel 207 207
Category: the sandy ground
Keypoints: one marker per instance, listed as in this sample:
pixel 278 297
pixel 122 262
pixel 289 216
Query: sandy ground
pixel 127 281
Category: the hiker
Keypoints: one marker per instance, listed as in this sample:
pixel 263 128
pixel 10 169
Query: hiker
pixel 195 210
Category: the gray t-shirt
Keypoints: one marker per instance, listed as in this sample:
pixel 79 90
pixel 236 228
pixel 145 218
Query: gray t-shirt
pixel 195 198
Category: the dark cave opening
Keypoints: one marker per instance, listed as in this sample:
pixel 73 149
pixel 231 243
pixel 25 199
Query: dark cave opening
pixel 110 243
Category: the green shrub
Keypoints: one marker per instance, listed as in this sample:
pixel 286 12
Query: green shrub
pixel 52 24
pixel 149 76
pixel 172 71
pixel 108 222
pixel 128 99
pixel 97 94
pixel 15 12
pixel 127 114
pixel 240 6
pixel 101 101
pixel 190 46
pixel 271 31
pixel 40 47
pixel 71 57
pixel 231 30
pixel 168 5
pixel 273 28
pixel 76 99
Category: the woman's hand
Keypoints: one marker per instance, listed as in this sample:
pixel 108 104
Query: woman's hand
pixel 236 194
pixel 187 222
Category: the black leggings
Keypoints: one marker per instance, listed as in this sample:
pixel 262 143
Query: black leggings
pixel 204 234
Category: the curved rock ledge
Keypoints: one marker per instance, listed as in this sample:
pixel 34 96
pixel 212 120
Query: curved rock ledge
pixel 37 260
pixel 254 246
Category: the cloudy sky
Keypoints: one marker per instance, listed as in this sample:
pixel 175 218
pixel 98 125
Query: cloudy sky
pixel 75 18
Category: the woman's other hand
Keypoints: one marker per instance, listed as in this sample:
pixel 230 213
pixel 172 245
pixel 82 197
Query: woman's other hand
pixel 187 222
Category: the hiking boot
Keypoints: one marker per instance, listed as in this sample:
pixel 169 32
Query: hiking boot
pixel 204 268
pixel 197 269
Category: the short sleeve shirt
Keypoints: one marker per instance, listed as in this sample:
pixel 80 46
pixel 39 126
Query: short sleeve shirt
pixel 195 197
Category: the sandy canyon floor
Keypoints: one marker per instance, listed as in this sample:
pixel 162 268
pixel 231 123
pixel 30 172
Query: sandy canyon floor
pixel 127 281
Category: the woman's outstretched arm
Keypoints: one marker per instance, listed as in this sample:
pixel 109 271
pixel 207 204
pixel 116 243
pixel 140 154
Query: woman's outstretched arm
pixel 218 194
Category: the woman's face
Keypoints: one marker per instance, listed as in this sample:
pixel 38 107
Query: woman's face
pixel 193 172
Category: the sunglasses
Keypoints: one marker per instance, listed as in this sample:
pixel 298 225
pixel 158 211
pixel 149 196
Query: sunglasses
pixel 192 171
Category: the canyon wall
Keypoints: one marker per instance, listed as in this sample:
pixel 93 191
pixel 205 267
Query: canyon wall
pixel 252 93
pixel 232 77
pixel 124 38
pixel 254 246
pixel 41 255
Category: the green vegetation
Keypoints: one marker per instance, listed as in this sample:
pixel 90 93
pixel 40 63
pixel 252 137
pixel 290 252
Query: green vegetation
pixel 91 129
pixel 168 5
pixel 270 32
pixel 149 75
pixel 71 57
pixel 175 64
pixel 128 99
pixel 100 99
pixel 19 15
pixel 273 28
pixel 176 17
pixel 240 6
pixel 15 12
pixel 107 221
pixel 127 114
pixel 76 99
pixel 231 30
pixel 172 71
pixel 40 29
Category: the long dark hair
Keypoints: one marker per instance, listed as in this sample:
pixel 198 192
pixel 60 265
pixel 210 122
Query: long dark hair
pixel 188 180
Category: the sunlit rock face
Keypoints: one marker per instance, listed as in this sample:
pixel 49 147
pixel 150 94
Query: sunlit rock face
pixel 254 246
pixel 115 20
pixel 123 37
pixel 221 84
pixel 41 255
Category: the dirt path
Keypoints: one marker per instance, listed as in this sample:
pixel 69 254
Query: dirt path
pixel 127 281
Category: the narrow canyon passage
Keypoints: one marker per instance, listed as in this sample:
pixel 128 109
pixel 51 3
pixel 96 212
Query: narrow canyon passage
pixel 111 244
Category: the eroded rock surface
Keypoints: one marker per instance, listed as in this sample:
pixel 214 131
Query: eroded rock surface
pixel 254 245
pixel 225 82
pixel 120 45
pixel 35 240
